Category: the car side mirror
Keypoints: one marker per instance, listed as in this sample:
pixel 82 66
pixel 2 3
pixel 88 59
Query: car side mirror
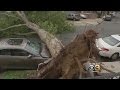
pixel 30 56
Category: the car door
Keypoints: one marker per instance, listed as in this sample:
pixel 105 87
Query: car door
pixel 22 61
pixel 5 58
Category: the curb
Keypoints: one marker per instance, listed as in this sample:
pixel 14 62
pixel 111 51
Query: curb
pixel 87 21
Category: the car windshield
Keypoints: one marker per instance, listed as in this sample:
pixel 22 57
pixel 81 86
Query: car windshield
pixel 33 47
pixel 111 40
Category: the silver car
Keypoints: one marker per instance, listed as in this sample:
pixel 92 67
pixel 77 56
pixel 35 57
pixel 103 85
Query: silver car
pixel 20 53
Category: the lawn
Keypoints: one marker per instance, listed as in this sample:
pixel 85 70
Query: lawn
pixel 20 74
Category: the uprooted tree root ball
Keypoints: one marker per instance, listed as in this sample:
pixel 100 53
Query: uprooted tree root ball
pixel 68 64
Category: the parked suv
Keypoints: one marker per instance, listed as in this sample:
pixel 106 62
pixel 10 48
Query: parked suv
pixel 20 53
pixel 73 16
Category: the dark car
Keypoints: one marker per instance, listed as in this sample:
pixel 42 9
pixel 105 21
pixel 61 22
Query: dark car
pixel 73 16
pixel 20 53
pixel 107 18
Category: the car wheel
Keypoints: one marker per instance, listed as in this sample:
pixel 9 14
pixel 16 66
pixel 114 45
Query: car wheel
pixel 115 56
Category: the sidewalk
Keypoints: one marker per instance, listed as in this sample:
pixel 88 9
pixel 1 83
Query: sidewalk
pixel 113 66
pixel 83 22
pixel 91 21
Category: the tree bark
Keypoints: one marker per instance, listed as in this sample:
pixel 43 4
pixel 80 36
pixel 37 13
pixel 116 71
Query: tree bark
pixel 14 26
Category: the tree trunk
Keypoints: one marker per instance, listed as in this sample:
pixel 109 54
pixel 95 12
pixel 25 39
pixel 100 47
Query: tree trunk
pixel 53 44
pixel 68 64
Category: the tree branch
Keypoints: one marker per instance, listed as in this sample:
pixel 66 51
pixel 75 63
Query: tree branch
pixel 9 15
pixel 28 23
pixel 19 25
pixel 25 33
pixel 51 41
pixel 23 16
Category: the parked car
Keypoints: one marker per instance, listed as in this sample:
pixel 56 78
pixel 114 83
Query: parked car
pixel 109 46
pixel 113 14
pixel 83 16
pixel 107 18
pixel 73 16
pixel 20 53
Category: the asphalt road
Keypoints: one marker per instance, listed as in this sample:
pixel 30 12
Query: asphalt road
pixel 106 28
pixel 110 27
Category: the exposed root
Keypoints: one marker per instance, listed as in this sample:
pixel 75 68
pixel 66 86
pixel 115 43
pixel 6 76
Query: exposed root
pixel 68 64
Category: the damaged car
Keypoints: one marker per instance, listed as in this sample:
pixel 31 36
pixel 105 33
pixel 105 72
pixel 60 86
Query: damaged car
pixel 20 53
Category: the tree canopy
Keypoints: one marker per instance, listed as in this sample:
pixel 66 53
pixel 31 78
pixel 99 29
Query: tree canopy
pixel 52 21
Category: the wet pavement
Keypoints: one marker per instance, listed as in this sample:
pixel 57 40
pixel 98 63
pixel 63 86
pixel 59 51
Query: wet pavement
pixel 106 28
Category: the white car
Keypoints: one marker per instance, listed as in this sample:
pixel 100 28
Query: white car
pixel 109 46
pixel 83 16
pixel 113 14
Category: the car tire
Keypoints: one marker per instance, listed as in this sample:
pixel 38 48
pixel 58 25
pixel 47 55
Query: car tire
pixel 115 56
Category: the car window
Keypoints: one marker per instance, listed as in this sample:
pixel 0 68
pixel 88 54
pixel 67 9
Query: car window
pixel 111 40
pixel 32 47
pixel 5 52
pixel 18 52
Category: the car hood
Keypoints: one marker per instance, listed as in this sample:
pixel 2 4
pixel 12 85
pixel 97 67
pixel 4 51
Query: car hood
pixel 101 44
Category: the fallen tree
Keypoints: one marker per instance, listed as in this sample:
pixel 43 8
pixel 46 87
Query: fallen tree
pixel 68 63
pixel 54 45
pixel 65 62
